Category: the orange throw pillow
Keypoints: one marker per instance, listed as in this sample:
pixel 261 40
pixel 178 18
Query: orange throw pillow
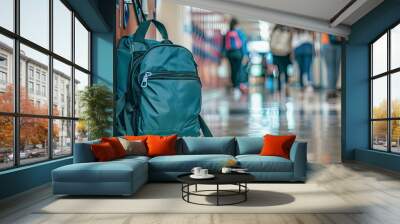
pixel 136 138
pixel 103 152
pixel 116 145
pixel 277 145
pixel 161 145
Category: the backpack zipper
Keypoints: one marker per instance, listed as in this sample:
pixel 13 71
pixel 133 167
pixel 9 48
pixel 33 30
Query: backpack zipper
pixel 161 75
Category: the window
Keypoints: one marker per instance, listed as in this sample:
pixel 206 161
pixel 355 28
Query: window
pixel 7 14
pixel 3 78
pixel 62 29
pixel 30 87
pixel 81 45
pixel 7 80
pixel 385 94
pixel 47 76
pixel 35 21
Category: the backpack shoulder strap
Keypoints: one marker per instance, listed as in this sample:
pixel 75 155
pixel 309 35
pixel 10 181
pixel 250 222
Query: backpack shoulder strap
pixel 204 128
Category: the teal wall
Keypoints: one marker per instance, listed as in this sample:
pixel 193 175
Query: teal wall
pixel 102 58
pixel 98 15
pixel 355 132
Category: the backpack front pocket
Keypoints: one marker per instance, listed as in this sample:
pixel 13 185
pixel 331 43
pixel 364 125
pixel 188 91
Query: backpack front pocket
pixel 170 103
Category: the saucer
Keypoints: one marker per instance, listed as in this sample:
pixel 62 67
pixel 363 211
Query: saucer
pixel 208 176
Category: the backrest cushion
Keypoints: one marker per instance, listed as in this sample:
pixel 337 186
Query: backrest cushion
pixel 135 147
pixel 104 152
pixel 207 145
pixel 116 145
pixel 161 145
pixel 249 145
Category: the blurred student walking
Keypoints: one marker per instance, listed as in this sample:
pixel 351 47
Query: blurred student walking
pixel 281 40
pixel 331 52
pixel 235 50
pixel 303 49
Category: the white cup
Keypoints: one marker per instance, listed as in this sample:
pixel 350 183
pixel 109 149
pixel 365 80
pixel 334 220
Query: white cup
pixel 203 172
pixel 196 171
pixel 226 170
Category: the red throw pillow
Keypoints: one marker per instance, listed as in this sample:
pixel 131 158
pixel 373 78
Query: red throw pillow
pixel 161 145
pixel 136 138
pixel 116 145
pixel 103 152
pixel 277 145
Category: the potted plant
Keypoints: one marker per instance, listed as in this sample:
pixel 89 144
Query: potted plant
pixel 96 103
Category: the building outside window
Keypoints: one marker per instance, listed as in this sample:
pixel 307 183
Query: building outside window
pixel 56 128
pixel 385 91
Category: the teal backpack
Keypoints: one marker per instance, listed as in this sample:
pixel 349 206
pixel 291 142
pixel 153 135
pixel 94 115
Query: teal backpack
pixel 158 87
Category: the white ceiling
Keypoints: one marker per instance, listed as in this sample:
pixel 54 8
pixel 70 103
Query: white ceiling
pixel 321 9
pixel 315 15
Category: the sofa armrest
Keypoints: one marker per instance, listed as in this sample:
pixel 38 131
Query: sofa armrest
pixel 83 152
pixel 298 155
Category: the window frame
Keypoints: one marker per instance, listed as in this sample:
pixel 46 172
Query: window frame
pixel 16 115
pixel 388 74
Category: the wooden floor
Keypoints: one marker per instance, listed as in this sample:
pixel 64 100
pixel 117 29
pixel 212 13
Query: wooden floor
pixel 310 117
pixel 377 189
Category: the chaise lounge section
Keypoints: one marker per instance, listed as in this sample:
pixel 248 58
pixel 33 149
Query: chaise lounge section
pixel 125 176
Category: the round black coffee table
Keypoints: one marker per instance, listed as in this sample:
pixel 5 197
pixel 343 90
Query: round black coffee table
pixel 238 179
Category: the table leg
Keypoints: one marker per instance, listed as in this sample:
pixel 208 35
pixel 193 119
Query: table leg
pixel 245 193
pixel 217 194
pixel 195 188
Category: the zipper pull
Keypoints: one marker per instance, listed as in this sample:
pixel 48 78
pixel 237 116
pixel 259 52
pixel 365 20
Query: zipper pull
pixel 144 80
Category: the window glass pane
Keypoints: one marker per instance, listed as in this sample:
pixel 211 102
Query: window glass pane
pixel 6 74
pixel 395 47
pixel 62 138
pixel 62 89
pixel 81 131
pixel 395 94
pixel 6 142
pixel 62 29
pixel 379 135
pixel 34 72
pixel 395 136
pixel 33 139
pixel 81 81
pixel 379 55
pixel 35 21
pixel 81 45
pixel 7 14
pixel 379 98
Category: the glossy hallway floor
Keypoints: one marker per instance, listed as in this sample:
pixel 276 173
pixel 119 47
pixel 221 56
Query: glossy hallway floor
pixel 307 114
pixel 310 117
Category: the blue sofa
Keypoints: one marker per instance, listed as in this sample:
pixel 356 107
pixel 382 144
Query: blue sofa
pixel 125 176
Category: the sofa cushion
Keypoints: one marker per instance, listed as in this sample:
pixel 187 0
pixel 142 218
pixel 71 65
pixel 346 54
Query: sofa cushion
pixel 161 145
pixel 208 145
pixel 103 152
pixel 249 145
pixel 185 163
pixel 135 147
pixel 257 163
pixel 116 145
pixel 112 171
pixel 277 145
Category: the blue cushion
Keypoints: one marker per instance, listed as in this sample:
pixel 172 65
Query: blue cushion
pixel 257 163
pixel 83 153
pixel 207 145
pixel 249 145
pixel 185 163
